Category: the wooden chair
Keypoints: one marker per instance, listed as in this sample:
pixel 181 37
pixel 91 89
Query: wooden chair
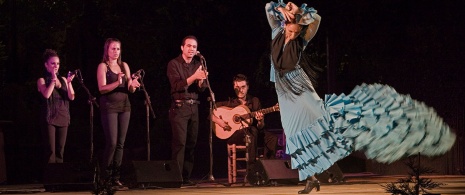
pixel 233 151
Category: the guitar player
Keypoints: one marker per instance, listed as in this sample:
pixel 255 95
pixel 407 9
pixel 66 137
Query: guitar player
pixel 241 87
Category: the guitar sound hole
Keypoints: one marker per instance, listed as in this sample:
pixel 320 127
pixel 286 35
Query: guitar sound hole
pixel 236 119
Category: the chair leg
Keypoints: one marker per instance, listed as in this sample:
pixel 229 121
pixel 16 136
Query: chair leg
pixel 230 180
pixel 234 163
pixel 247 141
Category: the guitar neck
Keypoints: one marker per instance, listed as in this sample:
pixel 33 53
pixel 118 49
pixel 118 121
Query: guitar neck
pixel 264 111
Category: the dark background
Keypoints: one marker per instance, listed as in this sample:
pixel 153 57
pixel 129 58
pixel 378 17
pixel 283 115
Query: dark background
pixel 415 46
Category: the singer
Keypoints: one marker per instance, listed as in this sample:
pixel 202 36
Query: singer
pixel 114 83
pixel 56 92
pixel 187 80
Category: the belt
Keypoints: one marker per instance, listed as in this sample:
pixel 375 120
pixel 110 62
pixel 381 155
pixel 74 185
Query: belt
pixel 189 101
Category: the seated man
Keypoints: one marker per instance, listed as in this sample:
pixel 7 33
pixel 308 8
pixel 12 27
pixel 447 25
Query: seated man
pixel 241 87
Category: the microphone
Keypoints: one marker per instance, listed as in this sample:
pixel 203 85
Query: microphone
pixel 200 55
pixel 71 73
pixel 202 59
pixel 137 74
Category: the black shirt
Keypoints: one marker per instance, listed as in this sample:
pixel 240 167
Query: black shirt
pixel 178 71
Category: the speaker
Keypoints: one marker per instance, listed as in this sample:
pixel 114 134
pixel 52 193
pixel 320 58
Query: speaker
pixel 164 174
pixel 273 172
pixel 331 175
pixel 69 177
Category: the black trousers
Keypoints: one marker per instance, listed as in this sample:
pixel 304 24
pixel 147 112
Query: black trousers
pixel 271 143
pixel 239 137
pixel 184 119
pixel 115 128
pixel 54 138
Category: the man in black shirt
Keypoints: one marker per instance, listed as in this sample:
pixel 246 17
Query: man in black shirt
pixel 186 76
pixel 241 87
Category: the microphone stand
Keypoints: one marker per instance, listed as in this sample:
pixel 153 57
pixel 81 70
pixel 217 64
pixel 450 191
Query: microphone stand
pixel 148 106
pixel 212 95
pixel 212 101
pixel 91 101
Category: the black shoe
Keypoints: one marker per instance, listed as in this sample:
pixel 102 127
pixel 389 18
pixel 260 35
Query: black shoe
pixel 309 186
pixel 105 186
pixel 188 183
pixel 118 186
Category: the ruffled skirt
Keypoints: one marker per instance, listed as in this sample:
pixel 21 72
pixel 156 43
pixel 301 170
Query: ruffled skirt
pixel 375 119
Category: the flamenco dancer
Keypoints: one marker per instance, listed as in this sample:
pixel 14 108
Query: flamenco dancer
pixel 375 119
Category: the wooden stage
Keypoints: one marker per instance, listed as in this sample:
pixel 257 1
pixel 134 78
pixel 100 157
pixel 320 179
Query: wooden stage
pixel 355 184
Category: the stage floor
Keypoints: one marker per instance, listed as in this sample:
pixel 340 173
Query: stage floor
pixel 355 184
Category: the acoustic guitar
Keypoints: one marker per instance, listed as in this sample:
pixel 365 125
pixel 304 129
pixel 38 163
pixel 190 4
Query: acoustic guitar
pixel 237 118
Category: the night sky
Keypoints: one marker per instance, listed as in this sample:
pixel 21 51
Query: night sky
pixel 415 46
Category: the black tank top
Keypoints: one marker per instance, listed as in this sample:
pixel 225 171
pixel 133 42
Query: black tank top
pixel 116 100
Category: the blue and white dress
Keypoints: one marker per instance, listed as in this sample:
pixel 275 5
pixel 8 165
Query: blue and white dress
pixel 375 119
